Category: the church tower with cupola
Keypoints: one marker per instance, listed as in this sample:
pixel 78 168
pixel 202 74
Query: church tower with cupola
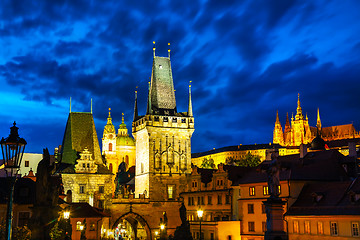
pixel 109 138
pixel 163 138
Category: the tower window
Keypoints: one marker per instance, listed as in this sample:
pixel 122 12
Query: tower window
pixel 82 189
pixel 165 119
pixel 110 147
pixel 170 191
pixel 183 120
pixel 174 120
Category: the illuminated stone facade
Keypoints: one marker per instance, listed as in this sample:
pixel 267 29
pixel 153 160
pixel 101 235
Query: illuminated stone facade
pixel 301 132
pixel 163 139
pixel 85 178
pixel 117 148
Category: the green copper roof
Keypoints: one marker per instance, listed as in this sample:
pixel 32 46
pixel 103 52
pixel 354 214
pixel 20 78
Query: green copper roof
pixel 80 133
pixel 125 141
pixel 161 95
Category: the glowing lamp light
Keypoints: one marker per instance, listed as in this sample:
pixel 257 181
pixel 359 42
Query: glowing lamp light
pixel 156 233
pixel 162 226
pixel 66 215
pixel 200 213
pixel 81 227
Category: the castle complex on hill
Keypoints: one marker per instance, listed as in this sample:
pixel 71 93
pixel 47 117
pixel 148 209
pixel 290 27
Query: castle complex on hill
pixel 300 132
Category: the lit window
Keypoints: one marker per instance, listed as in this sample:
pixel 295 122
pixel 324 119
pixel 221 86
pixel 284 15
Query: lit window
pixel 160 67
pixel 279 189
pixel 252 191
pixel 265 190
pixel 251 226
pixel 355 229
pixel 296 226
pixel 171 192
pixel 78 226
pixel 250 208
pixel 320 228
pixel 110 147
pixel 307 227
pixel 333 228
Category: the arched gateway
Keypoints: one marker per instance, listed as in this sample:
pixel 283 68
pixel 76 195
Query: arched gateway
pixel 133 224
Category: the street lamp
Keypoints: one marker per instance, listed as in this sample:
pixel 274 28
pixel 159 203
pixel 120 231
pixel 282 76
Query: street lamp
pixel 200 214
pixel 162 231
pixel 68 230
pixel 12 149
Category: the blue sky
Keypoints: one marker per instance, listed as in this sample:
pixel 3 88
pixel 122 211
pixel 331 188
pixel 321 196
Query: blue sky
pixel 246 59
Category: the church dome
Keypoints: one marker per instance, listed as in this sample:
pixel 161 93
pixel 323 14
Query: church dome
pixel 125 141
pixel 318 143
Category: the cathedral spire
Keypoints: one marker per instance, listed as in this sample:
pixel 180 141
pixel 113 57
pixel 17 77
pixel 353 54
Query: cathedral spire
pixel 190 111
pixel 136 114
pixel 287 120
pixel 277 117
pixel 299 114
pixel 109 127
pixel 318 121
pixel 109 119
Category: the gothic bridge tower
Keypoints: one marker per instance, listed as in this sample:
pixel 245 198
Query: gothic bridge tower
pixel 163 138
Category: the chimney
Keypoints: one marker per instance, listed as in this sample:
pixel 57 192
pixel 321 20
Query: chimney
pixel 303 150
pixel 352 149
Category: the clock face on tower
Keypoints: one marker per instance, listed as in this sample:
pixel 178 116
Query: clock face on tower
pixel 110 136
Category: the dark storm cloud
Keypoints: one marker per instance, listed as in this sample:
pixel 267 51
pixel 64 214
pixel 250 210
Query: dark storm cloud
pixel 63 48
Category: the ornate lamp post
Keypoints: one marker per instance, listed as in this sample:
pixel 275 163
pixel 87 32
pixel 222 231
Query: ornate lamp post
pixel 162 231
pixel 200 215
pixel 13 150
pixel 68 230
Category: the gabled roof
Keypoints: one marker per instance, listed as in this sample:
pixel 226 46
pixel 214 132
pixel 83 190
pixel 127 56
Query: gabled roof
pixel 335 198
pixel 79 133
pixel 84 210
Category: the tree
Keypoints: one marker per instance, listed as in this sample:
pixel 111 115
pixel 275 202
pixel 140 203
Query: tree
pixel 18 233
pixel 249 160
pixel 208 163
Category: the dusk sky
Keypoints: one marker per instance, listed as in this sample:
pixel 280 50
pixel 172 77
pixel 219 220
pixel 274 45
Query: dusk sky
pixel 246 59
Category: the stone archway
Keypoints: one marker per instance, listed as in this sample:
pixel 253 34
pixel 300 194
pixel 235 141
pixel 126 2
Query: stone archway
pixel 134 219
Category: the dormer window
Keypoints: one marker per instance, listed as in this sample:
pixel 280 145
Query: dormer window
pixel 160 66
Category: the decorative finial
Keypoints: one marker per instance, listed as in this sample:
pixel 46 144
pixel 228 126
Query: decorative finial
pixel 109 112
pixel 154 48
pixel 169 50
pixel 122 118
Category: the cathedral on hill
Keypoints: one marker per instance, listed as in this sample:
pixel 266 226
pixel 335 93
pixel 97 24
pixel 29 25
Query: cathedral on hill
pixel 300 132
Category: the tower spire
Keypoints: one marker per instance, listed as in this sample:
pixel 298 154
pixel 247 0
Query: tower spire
pixel 318 121
pixel 190 111
pixel 154 48
pixel 277 117
pixel 148 111
pixel 136 114
pixel 299 114
pixel 109 119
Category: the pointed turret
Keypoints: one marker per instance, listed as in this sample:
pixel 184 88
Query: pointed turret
pixel 318 121
pixel 122 128
pixel 109 127
pixel 136 113
pixel 278 136
pixel 190 111
pixel 299 114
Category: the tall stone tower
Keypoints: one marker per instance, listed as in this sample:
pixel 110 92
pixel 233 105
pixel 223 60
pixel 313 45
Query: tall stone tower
pixel 163 138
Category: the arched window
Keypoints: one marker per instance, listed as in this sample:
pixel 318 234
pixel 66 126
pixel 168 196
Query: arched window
pixel 110 147
pixel 110 167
